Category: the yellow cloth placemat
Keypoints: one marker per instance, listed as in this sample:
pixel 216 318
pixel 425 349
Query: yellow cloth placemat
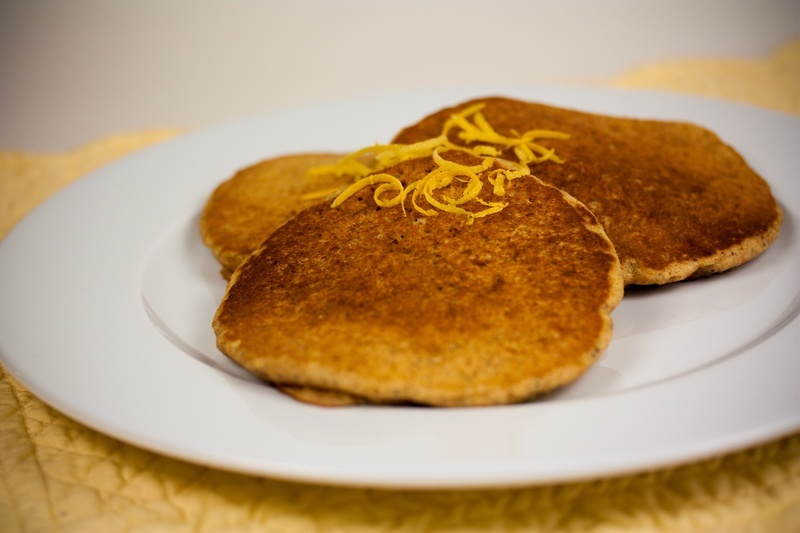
pixel 57 475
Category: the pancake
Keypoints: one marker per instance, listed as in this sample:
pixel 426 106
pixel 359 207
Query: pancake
pixel 321 397
pixel 371 304
pixel 326 397
pixel 245 209
pixel 674 199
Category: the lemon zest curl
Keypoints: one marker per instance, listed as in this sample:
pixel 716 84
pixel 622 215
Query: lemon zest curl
pixel 480 139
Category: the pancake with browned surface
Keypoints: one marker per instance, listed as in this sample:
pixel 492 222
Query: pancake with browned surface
pixel 326 397
pixel 246 208
pixel 371 303
pixel 674 199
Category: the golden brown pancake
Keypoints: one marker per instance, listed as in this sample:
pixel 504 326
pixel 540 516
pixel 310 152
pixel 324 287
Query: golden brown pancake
pixel 366 303
pixel 246 208
pixel 673 198
pixel 321 397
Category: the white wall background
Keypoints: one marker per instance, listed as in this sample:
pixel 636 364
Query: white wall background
pixel 74 70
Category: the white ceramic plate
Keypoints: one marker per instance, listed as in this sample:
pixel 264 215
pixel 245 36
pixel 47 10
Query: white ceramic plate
pixel 107 294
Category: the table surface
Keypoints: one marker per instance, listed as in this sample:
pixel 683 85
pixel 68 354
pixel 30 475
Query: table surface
pixel 73 71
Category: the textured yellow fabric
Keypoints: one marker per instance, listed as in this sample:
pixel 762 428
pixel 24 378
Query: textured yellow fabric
pixel 26 179
pixel 57 475
pixel 772 82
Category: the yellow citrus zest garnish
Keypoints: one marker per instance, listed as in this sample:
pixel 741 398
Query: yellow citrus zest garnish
pixel 481 140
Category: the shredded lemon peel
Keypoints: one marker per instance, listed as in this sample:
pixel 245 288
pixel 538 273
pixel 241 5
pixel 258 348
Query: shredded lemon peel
pixel 365 167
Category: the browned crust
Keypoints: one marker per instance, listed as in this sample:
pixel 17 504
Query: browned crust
pixel 245 209
pixel 364 301
pixel 674 199
pixel 320 397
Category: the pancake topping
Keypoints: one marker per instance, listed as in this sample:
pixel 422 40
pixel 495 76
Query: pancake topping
pixel 365 166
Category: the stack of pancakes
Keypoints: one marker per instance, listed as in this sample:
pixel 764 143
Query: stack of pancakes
pixel 368 304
